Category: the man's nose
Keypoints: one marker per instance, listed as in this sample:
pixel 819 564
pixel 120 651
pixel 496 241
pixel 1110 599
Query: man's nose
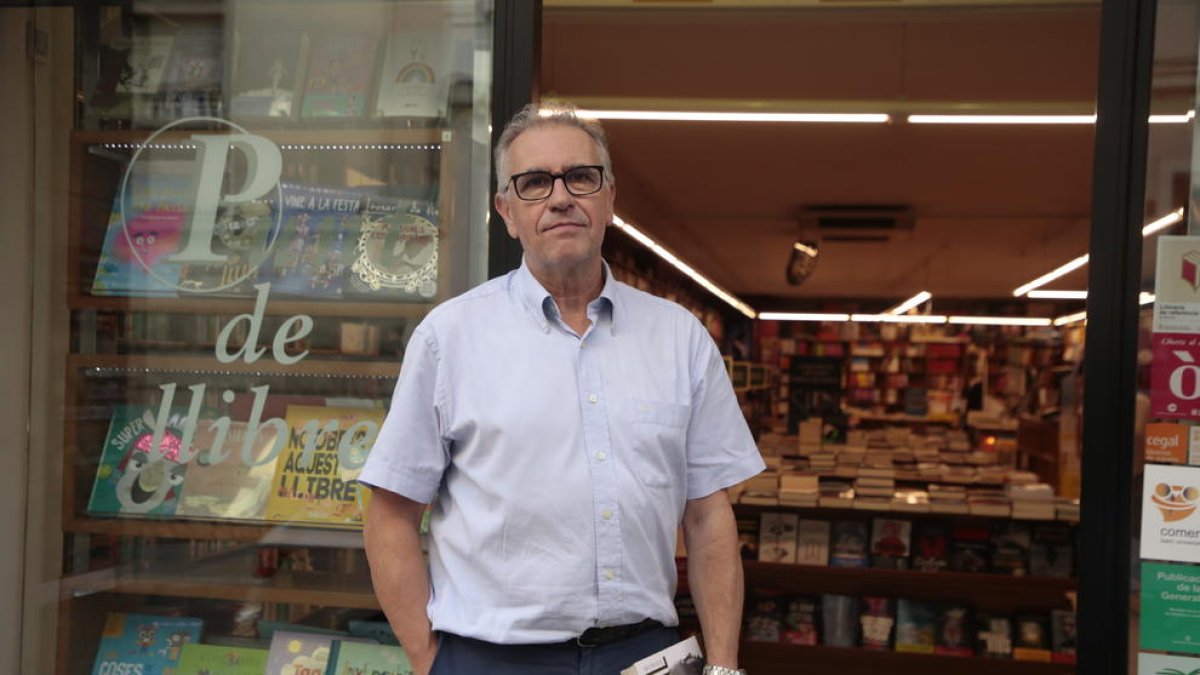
pixel 560 197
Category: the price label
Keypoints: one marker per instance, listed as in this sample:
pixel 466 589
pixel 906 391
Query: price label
pixel 1175 376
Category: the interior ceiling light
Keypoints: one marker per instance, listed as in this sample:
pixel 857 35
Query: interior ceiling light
pixel 1070 318
pixel 1000 321
pixel 802 316
pixel 1057 295
pixel 1173 119
pixel 687 269
pixel 898 318
pixel 802 262
pixel 910 303
pixel 1001 119
pixel 1153 227
pixel 701 116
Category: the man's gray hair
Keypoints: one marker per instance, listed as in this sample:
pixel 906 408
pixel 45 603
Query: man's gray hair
pixel 535 116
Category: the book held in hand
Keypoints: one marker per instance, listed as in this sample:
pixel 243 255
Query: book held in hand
pixel 681 658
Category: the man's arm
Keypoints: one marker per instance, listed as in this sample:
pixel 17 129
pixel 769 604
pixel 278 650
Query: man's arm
pixel 392 538
pixel 714 570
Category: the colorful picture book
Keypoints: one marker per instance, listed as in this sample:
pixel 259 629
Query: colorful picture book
pixel 340 71
pixel 413 79
pixel 396 251
pixel 848 547
pixel 198 659
pixel 143 643
pixel 315 475
pixel 309 256
pixel 241 236
pixel 146 227
pixel 877 620
pixel 133 477
pixel 954 634
pixel 916 626
pixel 890 541
pixel 293 652
pixel 230 481
pixel 357 658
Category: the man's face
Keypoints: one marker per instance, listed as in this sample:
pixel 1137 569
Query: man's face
pixel 562 231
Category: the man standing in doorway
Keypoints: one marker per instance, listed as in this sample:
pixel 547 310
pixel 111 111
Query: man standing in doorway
pixel 562 425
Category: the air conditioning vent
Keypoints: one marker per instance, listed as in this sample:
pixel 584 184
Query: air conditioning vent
pixel 856 223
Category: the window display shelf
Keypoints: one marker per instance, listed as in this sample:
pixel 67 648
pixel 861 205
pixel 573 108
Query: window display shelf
pixel 225 581
pixel 262 533
pixel 208 305
pixel 340 139
pixel 767 658
pixel 309 367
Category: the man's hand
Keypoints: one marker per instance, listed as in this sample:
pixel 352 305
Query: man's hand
pixel 391 535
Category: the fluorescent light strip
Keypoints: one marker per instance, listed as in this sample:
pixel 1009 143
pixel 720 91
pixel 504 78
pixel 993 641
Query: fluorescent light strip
pixel 1173 119
pixel 1051 276
pixel 898 318
pixel 1001 119
pixel 1057 295
pixel 910 303
pixel 1070 318
pixel 1163 223
pixel 802 316
pixel 687 269
pixel 1150 228
pixel 1000 321
pixel 697 116
pixel 805 249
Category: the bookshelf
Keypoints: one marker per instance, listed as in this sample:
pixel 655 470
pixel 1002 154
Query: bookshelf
pixel 373 218
pixel 764 658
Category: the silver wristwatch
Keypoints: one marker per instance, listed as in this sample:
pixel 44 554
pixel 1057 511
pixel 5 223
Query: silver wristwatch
pixel 722 670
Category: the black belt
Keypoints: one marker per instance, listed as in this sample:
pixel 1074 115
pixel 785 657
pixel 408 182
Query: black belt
pixel 598 636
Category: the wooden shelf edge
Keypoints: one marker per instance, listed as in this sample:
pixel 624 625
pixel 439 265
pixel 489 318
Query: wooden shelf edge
pixel 319 134
pixel 205 364
pixel 276 307
pixel 847 513
pixel 1047 584
pixel 263 533
pixel 759 657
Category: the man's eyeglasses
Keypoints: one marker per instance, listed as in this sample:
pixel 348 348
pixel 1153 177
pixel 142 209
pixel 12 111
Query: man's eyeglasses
pixel 580 181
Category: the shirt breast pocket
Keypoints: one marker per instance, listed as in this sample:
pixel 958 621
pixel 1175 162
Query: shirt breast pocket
pixel 659 436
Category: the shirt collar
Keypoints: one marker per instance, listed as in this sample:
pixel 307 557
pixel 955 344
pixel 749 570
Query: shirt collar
pixel 540 305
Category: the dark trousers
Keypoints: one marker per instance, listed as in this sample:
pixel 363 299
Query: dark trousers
pixel 458 655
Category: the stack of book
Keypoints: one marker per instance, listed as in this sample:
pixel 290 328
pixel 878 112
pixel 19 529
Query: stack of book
pixel 762 489
pixel 799 489
pixel 987 502
pixel 809 439
pixel 874 488
pixel 947 498
pixel 836 494
pixel 1066 509
pixel 1034 501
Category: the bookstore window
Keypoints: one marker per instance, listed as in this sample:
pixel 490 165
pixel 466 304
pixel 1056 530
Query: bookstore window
pixel 264 199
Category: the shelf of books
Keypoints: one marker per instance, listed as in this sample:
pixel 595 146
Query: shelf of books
pixel 265 200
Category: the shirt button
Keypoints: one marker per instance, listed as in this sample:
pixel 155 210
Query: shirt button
pixel 545 328
pixel 593 398
pixel 608 574
pixel 601 455
pixel 607 514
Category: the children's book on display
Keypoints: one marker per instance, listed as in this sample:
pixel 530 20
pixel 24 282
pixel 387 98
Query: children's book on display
pixel 143 643
pixel 316 473
pixel 268 73
pixel 396 253
pixel 135 478
pixel 146 227
pixel 309 256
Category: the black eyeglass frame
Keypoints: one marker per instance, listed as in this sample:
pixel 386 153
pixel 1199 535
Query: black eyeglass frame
pixel 512 180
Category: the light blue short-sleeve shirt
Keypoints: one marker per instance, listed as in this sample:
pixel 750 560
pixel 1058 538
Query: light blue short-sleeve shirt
pixel 558 465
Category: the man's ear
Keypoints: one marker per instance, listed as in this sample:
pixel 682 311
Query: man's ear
pixel 502 207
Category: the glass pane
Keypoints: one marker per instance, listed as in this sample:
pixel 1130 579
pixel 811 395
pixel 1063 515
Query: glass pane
pixel 1163 634
pixel 262 200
